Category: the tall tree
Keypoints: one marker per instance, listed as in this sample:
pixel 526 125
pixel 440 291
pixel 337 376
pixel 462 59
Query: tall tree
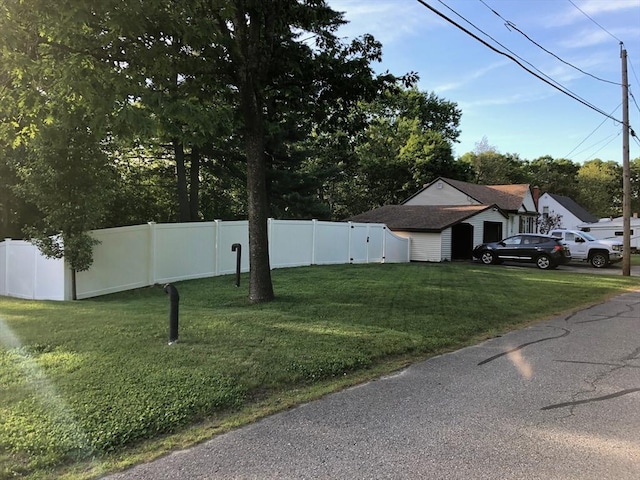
pixel 493 168
pixel 404 141
pixel 272 64
pixel 600 187
pixel 559 176
pixel 57 103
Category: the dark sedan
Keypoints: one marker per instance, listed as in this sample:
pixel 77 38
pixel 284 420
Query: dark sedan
pixel 545 251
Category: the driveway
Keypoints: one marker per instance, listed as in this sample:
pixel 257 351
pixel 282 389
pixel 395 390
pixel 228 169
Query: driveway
pixel 615 269
pixel 558 400
pixel 579 267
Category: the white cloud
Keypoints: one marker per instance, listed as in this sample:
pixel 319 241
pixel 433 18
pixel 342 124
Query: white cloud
pixel 495 101
pixel 386 20
pixel 469 77
pixel 593 8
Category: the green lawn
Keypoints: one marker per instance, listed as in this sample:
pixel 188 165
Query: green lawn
pixel 92 385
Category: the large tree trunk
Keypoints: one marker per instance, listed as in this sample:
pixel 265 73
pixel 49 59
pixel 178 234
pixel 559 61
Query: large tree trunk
pixel 194 184
pixel 181 176
pixel 260 286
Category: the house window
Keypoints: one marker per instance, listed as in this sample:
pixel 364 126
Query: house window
pixel 527 225
pixel 545 212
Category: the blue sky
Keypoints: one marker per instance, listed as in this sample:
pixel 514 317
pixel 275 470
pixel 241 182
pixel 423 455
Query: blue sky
pixel 515 111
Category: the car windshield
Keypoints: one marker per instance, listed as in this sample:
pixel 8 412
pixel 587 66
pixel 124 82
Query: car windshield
pixel 589 237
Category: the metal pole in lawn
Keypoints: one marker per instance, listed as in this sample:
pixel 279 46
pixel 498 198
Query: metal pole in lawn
pixel 174 300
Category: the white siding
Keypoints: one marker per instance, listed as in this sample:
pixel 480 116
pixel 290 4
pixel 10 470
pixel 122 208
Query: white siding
pixel 445 244
pixel 436 247
pixel 568 220
pixel 478 220
pixel 445 195
pixel 425 247
pixel 528 205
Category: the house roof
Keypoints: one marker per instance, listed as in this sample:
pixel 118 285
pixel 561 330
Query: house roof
pixel 506 197
pixel 574 208
pixel 421 218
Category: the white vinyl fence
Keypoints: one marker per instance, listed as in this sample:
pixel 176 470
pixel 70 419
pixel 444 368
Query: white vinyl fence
pixel 143 255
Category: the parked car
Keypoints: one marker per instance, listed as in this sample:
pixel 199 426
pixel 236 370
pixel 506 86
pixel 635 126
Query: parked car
pixel 545 251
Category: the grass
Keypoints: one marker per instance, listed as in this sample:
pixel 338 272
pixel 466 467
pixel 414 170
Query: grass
pixel 92 386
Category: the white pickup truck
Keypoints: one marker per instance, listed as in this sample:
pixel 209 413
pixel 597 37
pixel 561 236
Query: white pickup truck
pixel 584 247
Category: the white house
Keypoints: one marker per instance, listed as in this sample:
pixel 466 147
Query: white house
pixel 447 218
pixel 440 232
pixel 571 214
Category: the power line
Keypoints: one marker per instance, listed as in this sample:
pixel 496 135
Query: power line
pixel 510 25
pixel 590 135
pixel 593 154
pixel 633 69
pixel 503 46
pixel 557 87
pixel 603 29
pixel 634 100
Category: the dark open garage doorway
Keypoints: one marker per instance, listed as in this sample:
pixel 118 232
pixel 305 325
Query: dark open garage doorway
pixel 492 232
pixel 461 241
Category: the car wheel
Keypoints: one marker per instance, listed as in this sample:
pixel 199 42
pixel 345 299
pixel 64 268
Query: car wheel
pixel 487 257
pixel 544 262
pixel 599 260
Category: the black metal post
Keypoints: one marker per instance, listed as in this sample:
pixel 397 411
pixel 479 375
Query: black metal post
pixel 236 247
pixel 174 299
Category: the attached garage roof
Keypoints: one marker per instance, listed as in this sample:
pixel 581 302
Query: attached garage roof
pixel 421 218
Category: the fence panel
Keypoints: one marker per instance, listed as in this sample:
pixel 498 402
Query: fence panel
pixel 121 261
pixel 332 243
pixel 21 262
pixel 358 243
pixel 290 243
pixel 375 245
pixel 49 277
pixel 4 272
pixel 228 234
pixel 25 273
pixel 184 251
pixel 396 249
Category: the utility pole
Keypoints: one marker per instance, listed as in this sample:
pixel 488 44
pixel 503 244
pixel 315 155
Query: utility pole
pixel 626 170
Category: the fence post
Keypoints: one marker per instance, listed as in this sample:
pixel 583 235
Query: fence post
pixel 7 244
pixel 269 235
pixel 384 243
pixel 349 257
pixel 313 240
pixel 151 272
pixel 216 248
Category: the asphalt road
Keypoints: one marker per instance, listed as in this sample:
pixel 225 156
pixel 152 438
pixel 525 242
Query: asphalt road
pixel 558 400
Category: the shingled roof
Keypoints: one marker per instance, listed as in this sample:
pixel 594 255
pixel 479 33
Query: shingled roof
pixel 420 218
pixel 506 197
pixel 574 208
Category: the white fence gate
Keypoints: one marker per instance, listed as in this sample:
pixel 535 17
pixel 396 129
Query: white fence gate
pixel 143 255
